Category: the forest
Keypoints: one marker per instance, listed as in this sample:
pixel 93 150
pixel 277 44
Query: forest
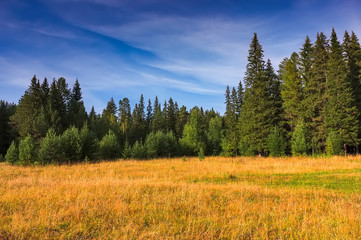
pixel 310 106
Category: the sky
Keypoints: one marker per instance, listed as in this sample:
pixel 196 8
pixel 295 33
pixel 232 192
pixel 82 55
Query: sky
pixel 185 49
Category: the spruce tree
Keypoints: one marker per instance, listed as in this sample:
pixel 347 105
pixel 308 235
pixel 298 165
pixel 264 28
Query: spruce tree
pixel 315 92
pixel 51 149
pixel 292 92
pixel 124 115
pixel 76 113
pixel 12 154
pixel 255 121
pixel 27 151
pixel 341 113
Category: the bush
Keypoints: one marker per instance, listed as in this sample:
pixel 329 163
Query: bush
pixel 12 154
pixel 160 144
pixel 51 149
pixel 71 144
pixel 109 147
pixel 2 159
pixel 138 151
pixel 276 144
pixel 299 145
pixel 89 142
pixel 334 144
pixel 27 150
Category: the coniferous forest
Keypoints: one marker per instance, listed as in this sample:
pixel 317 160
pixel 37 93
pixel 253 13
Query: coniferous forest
pixel 310 106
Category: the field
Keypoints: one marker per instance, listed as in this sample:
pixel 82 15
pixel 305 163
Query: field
pixel 217 198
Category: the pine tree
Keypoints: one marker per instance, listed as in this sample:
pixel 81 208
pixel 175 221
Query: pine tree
pixel 51 149
pixel 230 139
pixel 315 92
pixel 299 144
pixel 214 135
pixel 124 114
pixel 255 121
pixel 292 92
pixel 149 112
pixel 352 56
pixel 109 113
pixel 276 143
pixel 76 113
pixel 157 123
pixel 12 154
pixel 194 137
pixel 170 116
pixel 181 121
pixel 7 133
pixel 109 147
pixel 341 113
pixel 72 145
pixel 27 151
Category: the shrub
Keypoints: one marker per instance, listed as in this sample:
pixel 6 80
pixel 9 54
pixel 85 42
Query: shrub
pixel 89 142
pixel 71 144
pixel 27 150
pixel 51 149
pixel 109 147
pixel 12 154
pixel 334 144
pixel 276 144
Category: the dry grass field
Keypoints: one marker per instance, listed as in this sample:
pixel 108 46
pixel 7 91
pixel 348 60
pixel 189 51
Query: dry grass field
pixel 217 198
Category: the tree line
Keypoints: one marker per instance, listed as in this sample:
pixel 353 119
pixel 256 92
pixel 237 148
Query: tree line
pixel 311 106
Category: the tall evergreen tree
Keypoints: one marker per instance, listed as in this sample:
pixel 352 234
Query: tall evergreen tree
pixel 315 89
pixel 7 133
pixel 341 113
pixel 124 115
pixel 255 123
pixel 76 113
pixel 352 57
pixel 292 92
pixel 157 123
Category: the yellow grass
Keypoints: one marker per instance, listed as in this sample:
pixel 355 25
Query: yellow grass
pixel 217 198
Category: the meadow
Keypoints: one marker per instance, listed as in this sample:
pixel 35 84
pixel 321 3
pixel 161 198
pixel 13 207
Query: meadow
pixel 184 198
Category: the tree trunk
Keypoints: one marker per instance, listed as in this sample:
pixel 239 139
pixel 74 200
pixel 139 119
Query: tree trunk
pixel 345 149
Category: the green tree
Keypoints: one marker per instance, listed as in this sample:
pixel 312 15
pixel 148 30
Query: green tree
pixel 138 151
pixel 51 149
pixel 76 113
pixel 72 145
pixel 334 144
pixel 7 133
pixel 194 133
pixel 292 92
pixel 12 154
pixel 341 113
pixel 315 91
pixel 214 135
pixel 160 144
pixel 27 151
pixel 256 120
pixel 276 143
pixel 109 147
pixel 299 144
pixel 89 142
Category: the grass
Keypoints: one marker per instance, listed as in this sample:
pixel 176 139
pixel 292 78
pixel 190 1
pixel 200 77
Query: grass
pixel 217 198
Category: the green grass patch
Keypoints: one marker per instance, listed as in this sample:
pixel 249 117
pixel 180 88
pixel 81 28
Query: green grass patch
pixel 347 180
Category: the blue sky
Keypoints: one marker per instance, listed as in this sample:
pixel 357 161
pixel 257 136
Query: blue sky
pixel 187 50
